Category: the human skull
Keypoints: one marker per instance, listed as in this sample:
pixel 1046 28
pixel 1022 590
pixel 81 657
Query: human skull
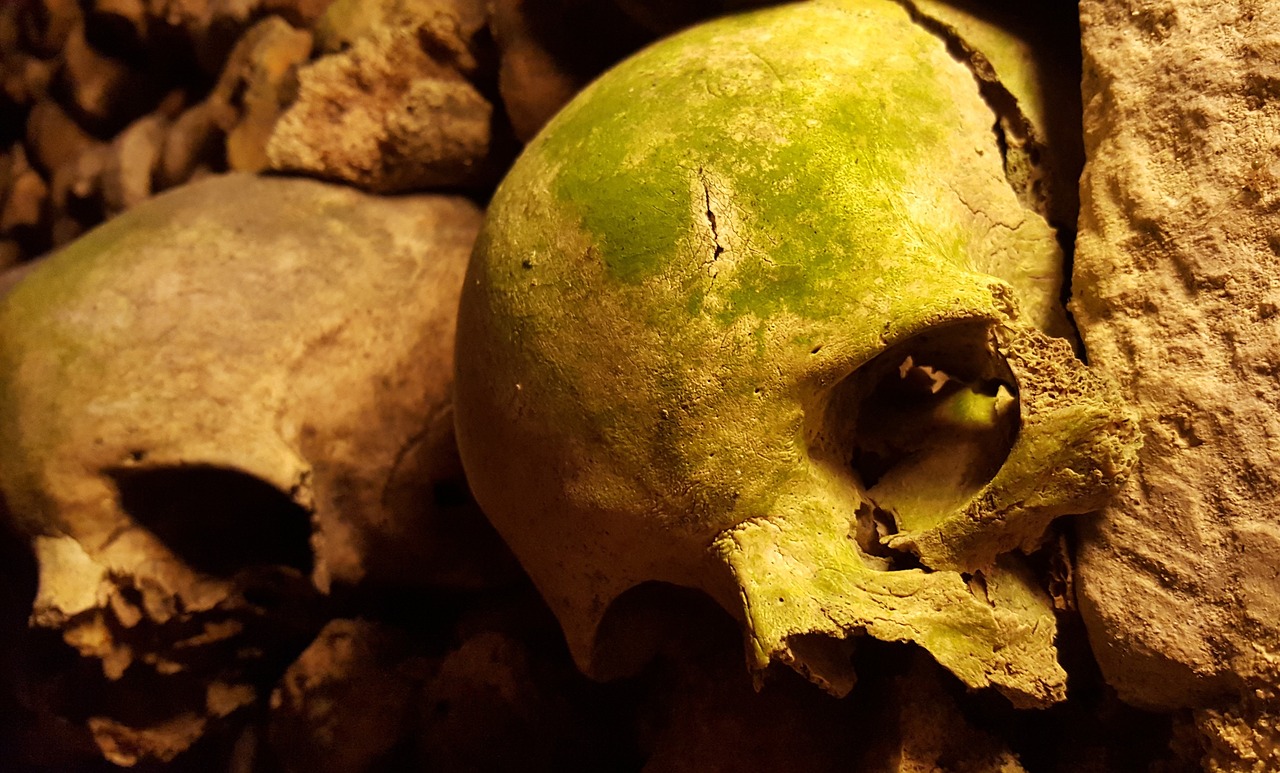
pixel 215 407
pixel 760 313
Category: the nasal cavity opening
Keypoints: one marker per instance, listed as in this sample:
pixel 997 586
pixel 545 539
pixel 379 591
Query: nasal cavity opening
pixel 933 421
pixel 218 521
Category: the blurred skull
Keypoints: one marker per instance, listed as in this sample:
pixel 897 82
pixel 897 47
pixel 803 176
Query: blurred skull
pixel 214 408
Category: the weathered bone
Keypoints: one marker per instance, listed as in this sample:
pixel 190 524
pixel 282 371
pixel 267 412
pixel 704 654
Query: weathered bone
pixel 215 407
pixel 668 313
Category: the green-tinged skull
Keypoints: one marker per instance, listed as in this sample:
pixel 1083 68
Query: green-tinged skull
pixel 761 313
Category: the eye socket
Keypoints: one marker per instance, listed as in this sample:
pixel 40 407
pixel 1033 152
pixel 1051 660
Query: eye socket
pixel 218 521
pixel 928 423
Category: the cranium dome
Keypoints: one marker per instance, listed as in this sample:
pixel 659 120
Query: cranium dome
pixel 760 313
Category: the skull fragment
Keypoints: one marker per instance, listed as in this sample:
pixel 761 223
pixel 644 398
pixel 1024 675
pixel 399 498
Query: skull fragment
pixel 214 408
pixel 761 313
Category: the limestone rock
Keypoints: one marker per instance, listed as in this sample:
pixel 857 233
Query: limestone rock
pixel 1245 737
pixel 385 116
pixel 274 52
pixel 1177 298
pixel 453 30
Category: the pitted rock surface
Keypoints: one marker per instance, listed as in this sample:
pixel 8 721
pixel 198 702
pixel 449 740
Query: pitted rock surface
pixel 391 108
pixel 1177 291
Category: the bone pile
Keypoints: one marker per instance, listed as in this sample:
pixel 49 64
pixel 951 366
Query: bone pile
pixel 235 530
pixel 106 103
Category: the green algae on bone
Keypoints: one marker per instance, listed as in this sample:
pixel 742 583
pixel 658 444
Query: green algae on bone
pixel 743 262
pixel 1078 443
pixel 796 138
pixel 796 581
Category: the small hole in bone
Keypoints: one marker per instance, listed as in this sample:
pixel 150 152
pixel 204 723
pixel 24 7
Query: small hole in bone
pixel 870 526
pixel 977 583
pixel 217 520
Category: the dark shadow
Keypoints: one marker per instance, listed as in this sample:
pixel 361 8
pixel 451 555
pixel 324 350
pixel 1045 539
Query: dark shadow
pixel 218 521
pixel 654 619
